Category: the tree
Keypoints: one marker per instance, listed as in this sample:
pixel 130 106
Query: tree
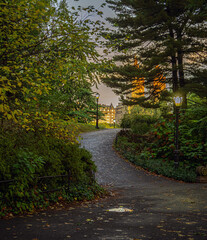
pixel 46 50
pixel 166 37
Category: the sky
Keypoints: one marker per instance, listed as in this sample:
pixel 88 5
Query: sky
pixel 107 96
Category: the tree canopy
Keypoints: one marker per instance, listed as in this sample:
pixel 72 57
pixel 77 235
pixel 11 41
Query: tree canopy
pixel 48 61
pixel 167 39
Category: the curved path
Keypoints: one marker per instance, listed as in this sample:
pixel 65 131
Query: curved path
pixel 144 206
pixel 118 174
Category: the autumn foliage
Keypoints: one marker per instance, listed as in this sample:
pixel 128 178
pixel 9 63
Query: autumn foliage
pixel 48 63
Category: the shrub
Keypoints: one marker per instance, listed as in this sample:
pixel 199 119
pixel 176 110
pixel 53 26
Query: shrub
pixel 139 123
pixel 142 124
pixel 135 154
pixel 26 155
pixel 155 149
pixel 126 121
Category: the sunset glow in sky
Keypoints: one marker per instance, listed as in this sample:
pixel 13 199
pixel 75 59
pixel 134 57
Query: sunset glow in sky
pixel 107 96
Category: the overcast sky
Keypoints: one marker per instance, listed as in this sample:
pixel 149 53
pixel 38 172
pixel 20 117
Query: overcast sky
pixel 107 96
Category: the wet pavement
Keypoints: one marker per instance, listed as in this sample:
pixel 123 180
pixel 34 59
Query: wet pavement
pixel 144 206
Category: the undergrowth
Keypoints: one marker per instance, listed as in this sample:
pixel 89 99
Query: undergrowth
pixel 27 156
pixel 135 148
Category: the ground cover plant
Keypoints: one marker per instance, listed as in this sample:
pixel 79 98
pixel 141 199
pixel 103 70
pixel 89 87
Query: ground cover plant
pixel 154 150
pixel 24 156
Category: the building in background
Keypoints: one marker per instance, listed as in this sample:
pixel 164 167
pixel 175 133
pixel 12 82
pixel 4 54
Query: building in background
pixel 109 114
pixel 120 111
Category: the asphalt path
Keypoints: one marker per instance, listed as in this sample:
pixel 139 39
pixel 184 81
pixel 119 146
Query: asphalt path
pixel 141 206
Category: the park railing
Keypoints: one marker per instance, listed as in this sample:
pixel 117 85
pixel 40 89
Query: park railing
pixel 39 181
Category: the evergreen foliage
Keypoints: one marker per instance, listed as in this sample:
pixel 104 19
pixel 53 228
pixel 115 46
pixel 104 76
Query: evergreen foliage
pixel 168 40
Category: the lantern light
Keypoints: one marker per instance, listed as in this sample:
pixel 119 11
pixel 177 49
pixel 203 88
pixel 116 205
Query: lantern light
pixel 97 95
pixel 178 101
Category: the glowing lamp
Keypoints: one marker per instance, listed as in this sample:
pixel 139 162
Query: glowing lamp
pixel 97 95
pixel 178 101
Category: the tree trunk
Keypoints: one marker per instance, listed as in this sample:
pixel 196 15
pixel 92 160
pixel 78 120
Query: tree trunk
pixel 181 76
pixel 174 64
pixel 174 74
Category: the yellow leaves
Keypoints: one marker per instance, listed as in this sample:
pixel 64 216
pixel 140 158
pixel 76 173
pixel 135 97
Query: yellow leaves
pixel 7 112
pixel 180 235
pixel 17 102
pixel 3 97
pixel 25 120
pixel 49 124
pixel 28 77
pixel 19 84
pixel 15 112
pixel 39 91
pixel 64 81
pixel 1 108
pixel 89 220
pixel 25 90
pixel 9 116
pixel 190 223
pixel 6 69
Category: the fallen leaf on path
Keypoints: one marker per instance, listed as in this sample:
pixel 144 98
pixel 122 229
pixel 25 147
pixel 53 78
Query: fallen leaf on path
pixel 89 220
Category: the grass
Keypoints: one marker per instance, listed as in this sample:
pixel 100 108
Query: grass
pixel 83 127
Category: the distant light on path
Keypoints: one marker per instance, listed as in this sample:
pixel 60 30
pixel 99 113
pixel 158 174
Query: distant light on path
pixel 120 209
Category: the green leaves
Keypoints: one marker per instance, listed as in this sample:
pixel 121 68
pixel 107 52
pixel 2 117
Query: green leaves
pixel 26 156
pixel 47 58
pixel 150 159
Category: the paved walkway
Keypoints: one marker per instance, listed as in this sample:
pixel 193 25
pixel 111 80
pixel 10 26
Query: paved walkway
pixel 144 206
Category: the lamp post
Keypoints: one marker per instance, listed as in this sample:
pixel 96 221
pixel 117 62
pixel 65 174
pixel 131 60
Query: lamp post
pixel 114 123
pixel 97 97
pixel 178 102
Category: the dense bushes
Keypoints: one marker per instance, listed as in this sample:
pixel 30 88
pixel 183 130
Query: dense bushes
pixel 24 156
pixel 139 120
pixel 141 154
pixel 153 149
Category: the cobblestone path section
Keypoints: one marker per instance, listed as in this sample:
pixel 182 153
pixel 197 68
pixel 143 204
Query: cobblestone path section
pixel 111 169
pixel 145 206
pixel 116 172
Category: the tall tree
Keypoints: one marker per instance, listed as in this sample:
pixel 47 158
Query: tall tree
pixel 45 49
pixel 168 40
